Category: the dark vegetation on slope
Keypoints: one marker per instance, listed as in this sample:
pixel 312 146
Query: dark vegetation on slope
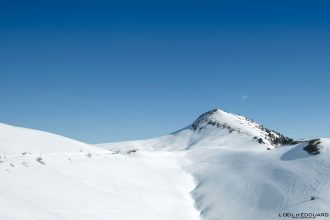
pixel 313 147
pixel 276 138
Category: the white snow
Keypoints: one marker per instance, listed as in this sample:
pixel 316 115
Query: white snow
pixel 238 178
pixel 95 184
pixel 207 174
pixel 259 184
pixel 16 140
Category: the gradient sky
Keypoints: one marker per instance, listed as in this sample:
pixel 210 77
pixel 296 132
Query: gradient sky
pixel 102 71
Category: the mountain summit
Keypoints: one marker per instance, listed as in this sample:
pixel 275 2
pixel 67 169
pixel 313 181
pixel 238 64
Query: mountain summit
pixel 220 119
pixel 216 128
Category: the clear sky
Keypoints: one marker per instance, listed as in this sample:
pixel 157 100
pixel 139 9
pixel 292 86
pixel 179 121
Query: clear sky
pixel 102 71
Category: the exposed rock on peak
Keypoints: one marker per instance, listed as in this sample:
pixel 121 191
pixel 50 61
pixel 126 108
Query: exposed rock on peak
pixel 220 119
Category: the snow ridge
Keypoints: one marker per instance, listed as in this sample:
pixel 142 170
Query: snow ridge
pixel 236 123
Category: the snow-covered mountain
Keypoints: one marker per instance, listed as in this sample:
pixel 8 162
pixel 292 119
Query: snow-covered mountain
pixel 222 166
pixel 241 125
pixel 243 170
pixel 215 128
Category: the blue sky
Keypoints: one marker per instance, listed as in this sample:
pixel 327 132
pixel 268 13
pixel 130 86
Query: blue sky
pixel 102 71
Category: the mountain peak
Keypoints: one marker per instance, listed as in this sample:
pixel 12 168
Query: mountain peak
pixel 215 117
pixel 219 119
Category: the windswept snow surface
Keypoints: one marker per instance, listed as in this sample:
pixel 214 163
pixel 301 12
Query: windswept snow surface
pixel 254 184
pixel 215 169
pixel 51 183
pixel 244 180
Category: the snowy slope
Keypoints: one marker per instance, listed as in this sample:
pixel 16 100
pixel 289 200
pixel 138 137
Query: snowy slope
pixel 222 166
pixel 59 178
pixel 255 184
pixel 239 177
pixel 16 140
